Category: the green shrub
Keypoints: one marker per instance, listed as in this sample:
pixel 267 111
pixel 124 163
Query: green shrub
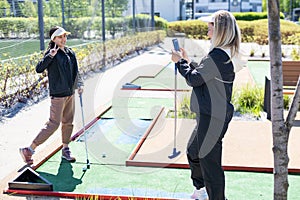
pixel 192 28
pixel 295 54
pixel 251 31
pixel 184 109
pixel 246 100
pixel 143 20
pixel 249 99
pixel 250 16
pixel 286 102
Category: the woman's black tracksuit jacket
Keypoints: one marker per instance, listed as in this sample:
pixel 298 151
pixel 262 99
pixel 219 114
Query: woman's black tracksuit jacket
pixel 212 82
pixel 63 73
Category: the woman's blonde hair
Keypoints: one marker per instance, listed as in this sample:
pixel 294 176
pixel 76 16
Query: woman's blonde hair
pixel 226 32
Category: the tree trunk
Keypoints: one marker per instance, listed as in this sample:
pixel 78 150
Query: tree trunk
pixel 279 130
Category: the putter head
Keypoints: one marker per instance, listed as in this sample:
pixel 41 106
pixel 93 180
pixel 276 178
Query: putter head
pixel 88 166
pixel 174 154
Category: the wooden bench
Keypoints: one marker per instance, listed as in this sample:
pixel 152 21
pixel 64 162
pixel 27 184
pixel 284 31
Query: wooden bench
pixel 290 72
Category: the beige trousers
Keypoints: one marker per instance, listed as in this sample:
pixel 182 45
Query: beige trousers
pixel 62 110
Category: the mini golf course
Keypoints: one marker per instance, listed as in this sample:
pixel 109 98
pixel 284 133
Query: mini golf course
pixel 114 137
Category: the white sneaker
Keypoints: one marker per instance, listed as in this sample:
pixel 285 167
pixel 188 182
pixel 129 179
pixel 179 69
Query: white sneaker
pixel 200 194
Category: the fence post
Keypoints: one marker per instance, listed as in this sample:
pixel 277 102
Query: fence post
pixel 41 24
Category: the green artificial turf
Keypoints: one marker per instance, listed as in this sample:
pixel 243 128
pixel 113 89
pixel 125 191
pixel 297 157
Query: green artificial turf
pixel 117 179
pixel 109 146
pixel 165 79
pixel 16 48
pixel 259 70
pixel 252 186
pixel 111 140
pixel 137 108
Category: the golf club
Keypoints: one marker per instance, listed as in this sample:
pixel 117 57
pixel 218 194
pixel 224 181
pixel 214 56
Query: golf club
pixel 175 153
pixel 85 142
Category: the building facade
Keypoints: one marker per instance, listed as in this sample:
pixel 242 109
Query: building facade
pixel 173 10
pixel 232 5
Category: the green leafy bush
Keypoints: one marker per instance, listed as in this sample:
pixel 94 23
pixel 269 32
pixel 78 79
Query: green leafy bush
pixel 251 31
pixel 286 101
pixel 249 99
pixel 295 54
pixel 184 109
pixel 246 100
pixel 143 20
pixel 192 28
pixel 250 16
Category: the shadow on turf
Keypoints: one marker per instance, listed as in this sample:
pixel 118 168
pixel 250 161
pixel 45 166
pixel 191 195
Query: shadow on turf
pixel 63 180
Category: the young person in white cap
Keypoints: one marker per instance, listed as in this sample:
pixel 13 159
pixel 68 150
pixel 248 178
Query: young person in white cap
pixel 212 82
pixel 63 76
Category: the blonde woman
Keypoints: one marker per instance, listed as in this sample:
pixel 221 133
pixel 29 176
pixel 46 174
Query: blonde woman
pixel 212 81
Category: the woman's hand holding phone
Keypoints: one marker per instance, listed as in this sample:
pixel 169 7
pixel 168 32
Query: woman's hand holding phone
pixel 181 54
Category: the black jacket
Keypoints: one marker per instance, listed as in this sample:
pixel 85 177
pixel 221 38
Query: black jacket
pixel 63 73
pixel 212 82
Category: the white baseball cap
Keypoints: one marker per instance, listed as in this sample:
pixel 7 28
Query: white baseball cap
pixel 208 19
pixel 58 32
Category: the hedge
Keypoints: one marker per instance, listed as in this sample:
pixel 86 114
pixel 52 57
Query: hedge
pixel 251 31
pixel 17 27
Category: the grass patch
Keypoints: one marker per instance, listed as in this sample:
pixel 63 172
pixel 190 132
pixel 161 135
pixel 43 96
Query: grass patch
pixel 17 48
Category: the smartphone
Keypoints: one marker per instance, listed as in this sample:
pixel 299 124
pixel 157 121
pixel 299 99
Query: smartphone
pixel 176 44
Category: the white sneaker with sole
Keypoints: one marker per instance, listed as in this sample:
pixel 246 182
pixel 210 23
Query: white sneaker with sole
pixel 200 194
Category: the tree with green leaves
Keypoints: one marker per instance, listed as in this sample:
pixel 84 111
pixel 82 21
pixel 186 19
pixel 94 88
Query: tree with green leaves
pixel 115 8
pixel 46 8
pixel 286 6
pixel 4 8
pixel 28 9
pixel 77 8
pixel 55 8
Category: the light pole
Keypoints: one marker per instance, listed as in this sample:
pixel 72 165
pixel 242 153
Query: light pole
pixel 181 3
pixel 291 11
pixel 193 9
pixel 241 3
pixel 103 21
pixel 41 24
pixel 133 15
pixel 63 13
pixel 152 15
